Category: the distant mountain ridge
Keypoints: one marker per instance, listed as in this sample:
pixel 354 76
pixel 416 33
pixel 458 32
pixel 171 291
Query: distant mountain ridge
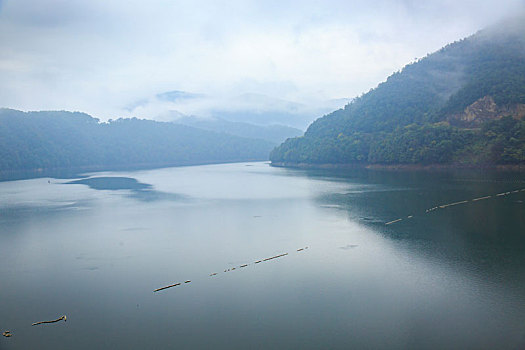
pixel 272 133
pixel 252 108
pixel 463 104
pixel 59 139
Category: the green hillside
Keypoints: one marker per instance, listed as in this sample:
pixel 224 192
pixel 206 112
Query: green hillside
pixel 463 104
pixel 49 140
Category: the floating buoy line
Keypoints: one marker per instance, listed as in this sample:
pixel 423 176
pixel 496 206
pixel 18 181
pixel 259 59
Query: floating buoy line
pixel 443 206
pixel 231 269
pixel 437 207
pixel 8 334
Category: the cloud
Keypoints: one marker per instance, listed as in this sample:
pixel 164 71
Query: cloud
pixel 101 57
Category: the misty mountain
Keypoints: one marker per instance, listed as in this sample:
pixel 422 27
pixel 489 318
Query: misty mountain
pixel 463 104
pixel 252 108
pixel 266 110
pixel 272 133
pixel 176 95
pixel 47 140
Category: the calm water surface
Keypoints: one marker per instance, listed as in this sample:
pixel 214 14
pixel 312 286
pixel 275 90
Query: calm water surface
pixel 94 248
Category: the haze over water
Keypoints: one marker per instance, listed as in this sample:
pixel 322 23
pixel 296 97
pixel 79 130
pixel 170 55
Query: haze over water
pixel 95 249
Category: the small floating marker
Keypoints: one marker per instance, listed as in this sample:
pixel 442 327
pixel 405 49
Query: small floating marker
pixel 7 334
pixel 57 320
pixel 393 222
pixel 170 286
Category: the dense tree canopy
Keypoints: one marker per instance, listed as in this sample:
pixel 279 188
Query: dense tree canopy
pixel 406 118
pixel 67 140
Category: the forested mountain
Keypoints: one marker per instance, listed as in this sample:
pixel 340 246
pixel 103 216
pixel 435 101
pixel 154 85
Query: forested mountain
pixel 273 133
pixel 461 105
pixel 45 140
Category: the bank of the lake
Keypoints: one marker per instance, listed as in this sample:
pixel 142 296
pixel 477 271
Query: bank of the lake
pixel 408 167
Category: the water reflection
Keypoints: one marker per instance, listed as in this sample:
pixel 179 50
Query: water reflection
pixel 476 236
pixel 138 190
pixel 451 279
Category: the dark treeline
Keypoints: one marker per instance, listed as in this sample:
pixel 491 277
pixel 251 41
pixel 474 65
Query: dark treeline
pixel 46 140
pixel 498 142
pixel 414 116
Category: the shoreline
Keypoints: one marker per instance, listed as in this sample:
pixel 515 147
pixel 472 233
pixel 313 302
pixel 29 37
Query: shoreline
pixel 401 167
pixel 74 172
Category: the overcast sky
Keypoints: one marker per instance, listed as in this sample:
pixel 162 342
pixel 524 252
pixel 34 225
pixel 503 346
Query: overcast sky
pixel 103 56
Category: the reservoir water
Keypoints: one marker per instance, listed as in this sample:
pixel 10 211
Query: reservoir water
pixel 95 247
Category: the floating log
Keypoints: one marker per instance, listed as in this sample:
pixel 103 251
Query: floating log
pixel 451 204
pixel 275 257
pixel 170 286
pixel 7 334
pixel 457 203
pixel 481 198
pixel 188 281
pixel 244 265
pixel 213 274
pixel 393 222
pixel 410 217
pixel 54 321
pixel 258 261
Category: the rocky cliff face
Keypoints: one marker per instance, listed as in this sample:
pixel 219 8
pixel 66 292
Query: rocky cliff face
pixel 483 110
